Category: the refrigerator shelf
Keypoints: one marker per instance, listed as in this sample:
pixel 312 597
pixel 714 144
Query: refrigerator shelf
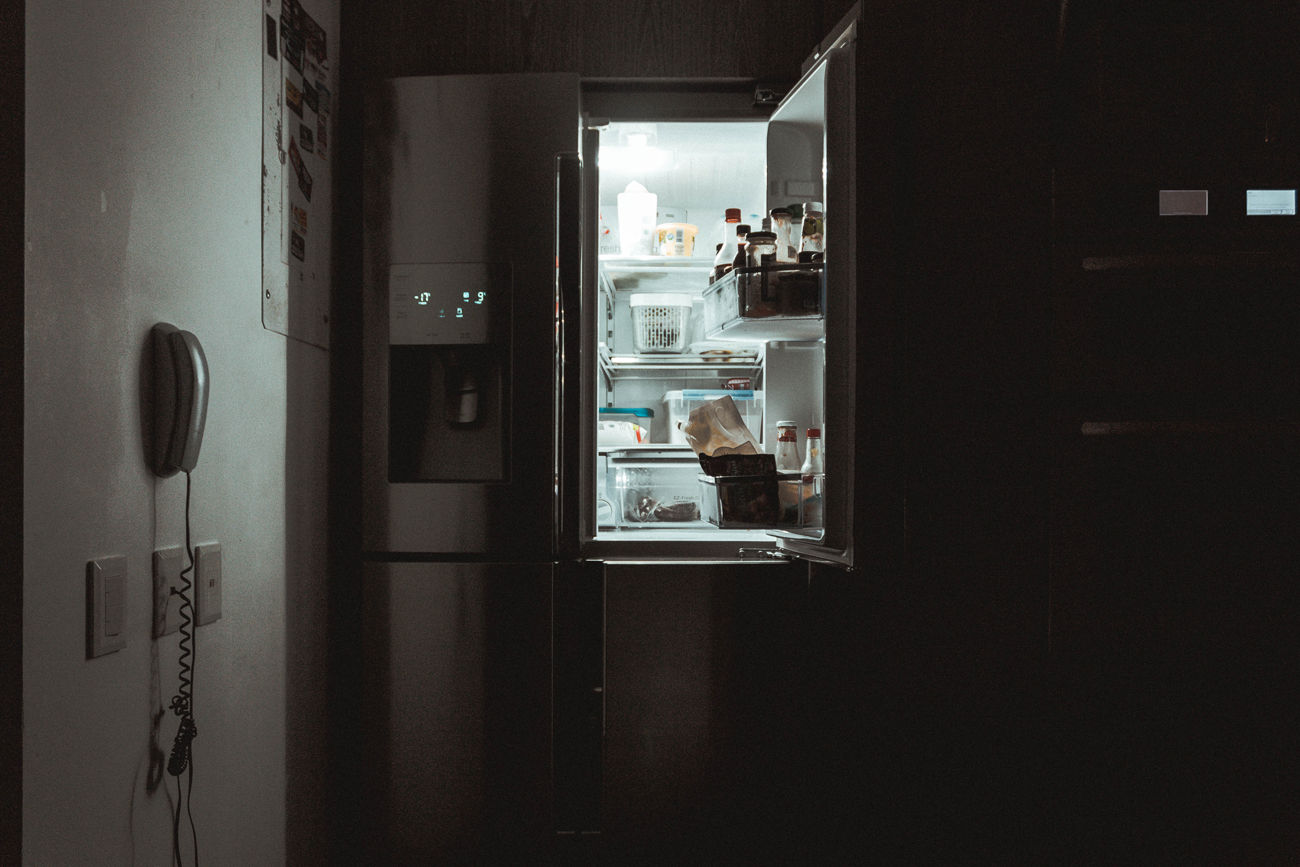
pixel 735 363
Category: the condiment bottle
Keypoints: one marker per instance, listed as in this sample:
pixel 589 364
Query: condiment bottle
pixel 760 286
pixel 814 225
pixel 760 249
pixel 722 261
pixel 813 477
pixel 742 236
pixel 782 224
pixel 712 275
pixel 787 447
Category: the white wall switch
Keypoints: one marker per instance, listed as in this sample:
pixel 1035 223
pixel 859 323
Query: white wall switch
pixel 167 565
pixel 105 606
pixel 207 566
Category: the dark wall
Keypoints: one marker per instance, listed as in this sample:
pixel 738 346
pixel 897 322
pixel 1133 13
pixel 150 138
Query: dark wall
pixel 928 676
pixel 650 38
pixel 11 429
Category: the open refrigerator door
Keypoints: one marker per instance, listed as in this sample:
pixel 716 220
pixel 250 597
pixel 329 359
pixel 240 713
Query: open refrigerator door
pixel 682 331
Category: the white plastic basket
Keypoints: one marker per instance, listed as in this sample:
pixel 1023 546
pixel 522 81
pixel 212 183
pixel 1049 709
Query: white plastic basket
pixel 661 322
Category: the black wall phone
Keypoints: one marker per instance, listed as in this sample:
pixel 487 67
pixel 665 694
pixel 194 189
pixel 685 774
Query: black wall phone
pixel 180 405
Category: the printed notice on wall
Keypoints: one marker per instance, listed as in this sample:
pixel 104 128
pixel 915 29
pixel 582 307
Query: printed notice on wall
pixel 299 78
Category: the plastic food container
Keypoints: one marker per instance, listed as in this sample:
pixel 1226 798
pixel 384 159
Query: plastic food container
pixel 661 322
pixel 623 425
pixel 678 406
pixel 752 502
pixel 654 489
pixel 774 302
pixel 675 239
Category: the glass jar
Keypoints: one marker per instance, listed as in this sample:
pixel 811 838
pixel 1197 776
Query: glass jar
pixel 787 447
pixel 783 225
pixel 760 249
pixel 814 226
pixel 758 284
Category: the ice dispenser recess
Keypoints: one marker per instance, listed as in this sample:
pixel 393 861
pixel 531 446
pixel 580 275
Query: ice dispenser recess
pixel 449 365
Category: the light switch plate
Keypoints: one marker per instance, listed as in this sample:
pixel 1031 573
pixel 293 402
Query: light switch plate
pixel 207 567
pixel 167 565
pixel 105 606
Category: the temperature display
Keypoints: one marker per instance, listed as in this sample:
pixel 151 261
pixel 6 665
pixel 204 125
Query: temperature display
pixel 439 304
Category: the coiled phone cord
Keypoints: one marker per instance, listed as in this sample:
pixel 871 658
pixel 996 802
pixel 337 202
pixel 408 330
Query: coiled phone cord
pixel 181 757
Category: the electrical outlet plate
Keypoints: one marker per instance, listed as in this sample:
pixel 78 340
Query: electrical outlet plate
pixel 207 569
pixel 105 606
pixel 167 565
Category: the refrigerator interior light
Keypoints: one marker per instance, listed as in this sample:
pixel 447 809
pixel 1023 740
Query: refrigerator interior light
pixel 620 359
pixel 634 158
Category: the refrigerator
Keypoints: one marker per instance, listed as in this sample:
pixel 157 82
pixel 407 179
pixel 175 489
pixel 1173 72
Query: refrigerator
pixel 506 529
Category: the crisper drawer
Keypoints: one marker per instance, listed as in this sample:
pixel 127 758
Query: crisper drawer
pixel 774 302
pixel 654 488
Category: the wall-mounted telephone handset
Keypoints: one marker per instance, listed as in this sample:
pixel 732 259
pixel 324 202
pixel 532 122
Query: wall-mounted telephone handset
pixel 180 387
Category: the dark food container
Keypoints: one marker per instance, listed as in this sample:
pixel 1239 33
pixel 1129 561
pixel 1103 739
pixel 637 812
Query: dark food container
pixel 738 465
pixel 772 302
pixel 780 290
pixel 740 501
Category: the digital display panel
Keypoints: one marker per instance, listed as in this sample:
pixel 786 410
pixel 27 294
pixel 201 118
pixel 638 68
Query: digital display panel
pixel 1261 203
pixel 439 304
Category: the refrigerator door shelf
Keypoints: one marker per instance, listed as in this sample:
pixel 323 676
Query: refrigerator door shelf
pixel 774 302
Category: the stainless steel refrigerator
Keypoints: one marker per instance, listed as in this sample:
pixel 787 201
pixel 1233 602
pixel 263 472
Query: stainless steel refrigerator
pixel 506 529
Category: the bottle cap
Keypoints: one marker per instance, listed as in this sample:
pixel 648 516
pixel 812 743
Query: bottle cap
pixel 808 256
pixel 815 432
pixel 761 236
pixel 733 215
pixel 787 424
pixel 776 212
pixel 813 206
pixel 742 229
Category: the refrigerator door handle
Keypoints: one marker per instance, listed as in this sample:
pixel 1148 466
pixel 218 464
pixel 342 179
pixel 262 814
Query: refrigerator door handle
pixel 568 392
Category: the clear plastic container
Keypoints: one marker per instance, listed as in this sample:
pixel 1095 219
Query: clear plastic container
pixel 660 323
pixel 654 489
pixel 775 302
pixel 773 502
pixel 678 406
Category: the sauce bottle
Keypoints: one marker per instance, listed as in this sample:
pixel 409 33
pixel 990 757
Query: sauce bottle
pixel 787 448
pixel 742 236
pixel 722 261
pixel 782 224
pixel 813 473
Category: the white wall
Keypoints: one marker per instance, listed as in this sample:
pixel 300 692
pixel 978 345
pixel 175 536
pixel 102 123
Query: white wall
pixel 143 191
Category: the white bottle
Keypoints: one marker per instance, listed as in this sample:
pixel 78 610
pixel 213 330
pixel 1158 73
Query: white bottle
pixel 787 448
pixel 813 479
pixel 637 208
